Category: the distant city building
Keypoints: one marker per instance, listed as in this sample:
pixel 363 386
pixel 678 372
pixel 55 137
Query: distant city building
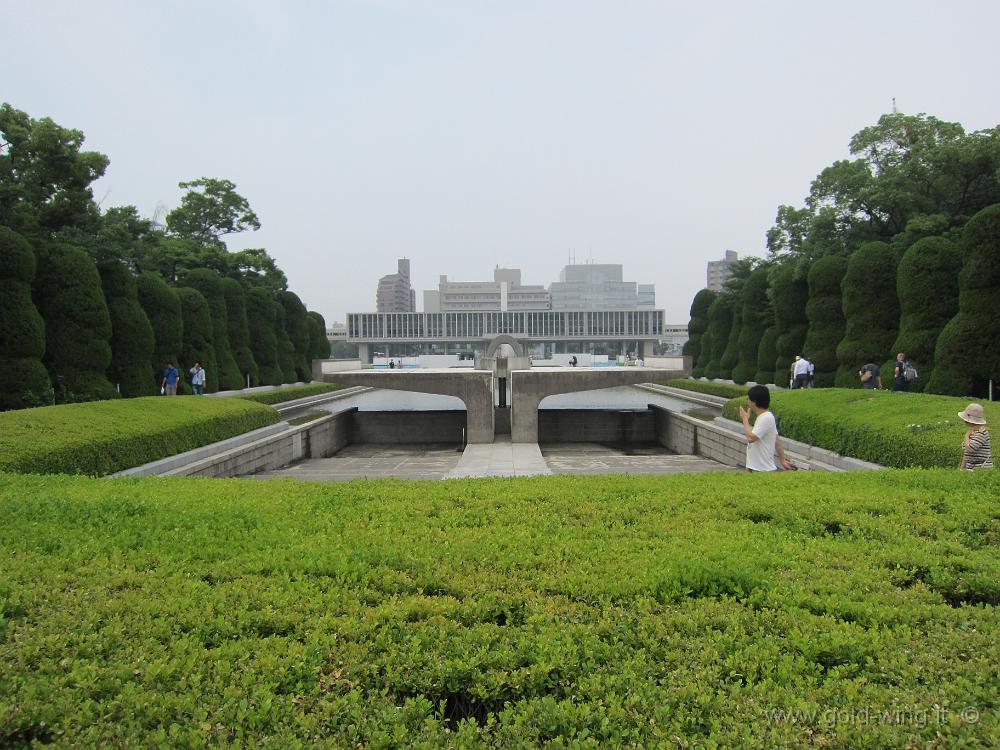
pixel 720 270
pixel 394 292
pixel 505 292
pixel 672 341
pixel 599 286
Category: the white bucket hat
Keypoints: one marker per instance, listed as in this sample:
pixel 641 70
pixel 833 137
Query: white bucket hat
pixel 973 414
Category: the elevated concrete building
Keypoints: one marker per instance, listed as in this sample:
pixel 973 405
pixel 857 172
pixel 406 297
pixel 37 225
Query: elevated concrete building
pixel 505 292
pixel 394 293
pixel 719 271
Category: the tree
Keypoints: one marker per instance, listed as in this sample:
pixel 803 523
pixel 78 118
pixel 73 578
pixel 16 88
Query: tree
pixel 825 314
pixel 239 332
pixel 871 310
pixel 927 286
pixel 24 381
pixel 210 285
pixel 754 320
pixel 162 306
pixel 720 322
pixel 210 209
pixel 258 269
pixel 319 344
pixel 790 293
pixel 68 294
pixel 766 356
pixel 286 349
pixel 44 176
pixel 263 340
pixel 966 357
pixel 132 342
pixel 698 323
pixel 197 344
pixel 297 326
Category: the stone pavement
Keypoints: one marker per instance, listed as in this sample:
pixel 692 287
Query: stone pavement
pixel 597 458
pixel 501 458
pixel 364 461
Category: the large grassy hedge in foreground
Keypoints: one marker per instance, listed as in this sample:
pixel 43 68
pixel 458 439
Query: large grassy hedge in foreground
pixel 726 611
pixel 102 437
pixel 889 428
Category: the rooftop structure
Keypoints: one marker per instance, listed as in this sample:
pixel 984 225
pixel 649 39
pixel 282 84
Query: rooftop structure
pixel 505 292
pixel 599 286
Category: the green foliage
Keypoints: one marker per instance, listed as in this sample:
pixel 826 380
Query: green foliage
pixel 68 294
pixel 826 316
pixel 107 436
pixel 709 611
pixel 197 344
pixel 239 331
pixel 886 427
pixel 927 285
pixel 790 294
pixel 967 357
pixel 698 324
pixel 319 344
pixel 162 306
pixel 871 310
pixel 754 320
pixel 766 355
pixel 210 209
pixel 286 350
pixel 210 285
pixel 297 327
pixel 131 333
pixel 725 390
pixel 263 341
pixel 720 323
pixel 290 393
pixel 24 381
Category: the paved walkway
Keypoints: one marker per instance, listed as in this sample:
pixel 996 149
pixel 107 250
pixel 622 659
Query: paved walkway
pixel 365 461
pixel 500 458
pixel 597 458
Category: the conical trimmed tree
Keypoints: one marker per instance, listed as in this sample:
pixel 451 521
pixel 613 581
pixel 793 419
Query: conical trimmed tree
pixel 297 326
pixel 239 331
pixel 286 349
pixel 132 341
pixel 24 381
pixel 197 345
pixel 756 317
pixel 825 314
pixel 766 356
pixel 263 341
pixel 209 283
pixel 720 323
pixel 162 306
pixel 791 295
pixel 698 323
pixel 319 344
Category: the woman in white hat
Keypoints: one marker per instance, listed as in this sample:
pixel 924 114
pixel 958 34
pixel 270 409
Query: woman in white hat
pixel 976 451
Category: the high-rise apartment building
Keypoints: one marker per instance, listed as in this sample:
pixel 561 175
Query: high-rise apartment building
pixel 720 270
pixel 394 291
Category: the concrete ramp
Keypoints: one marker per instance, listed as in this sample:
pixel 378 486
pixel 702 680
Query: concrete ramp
pixel 501 459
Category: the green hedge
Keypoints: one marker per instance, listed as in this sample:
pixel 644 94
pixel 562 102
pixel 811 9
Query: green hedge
pixel 756 317
pixel 726 390
pixel 209 283
pixel 720 323
pixel 791 295
pixel 721 611
pixel 826 317
pixel 291 393
pixel 889 428
pixel 132 343
pixel 698 324
pixel 103 437
pixel 239 331
pixel 163 308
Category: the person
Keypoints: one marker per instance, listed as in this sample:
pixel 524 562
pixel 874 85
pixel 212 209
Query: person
pixel 762 438
pixel 197 379
pixel 800 372
pixel 573 361
pixel 392 365
pixel 976 449
pixel 168 385
pixel 899 381
pixel 812 374
pixel 791 372
pixel 870 376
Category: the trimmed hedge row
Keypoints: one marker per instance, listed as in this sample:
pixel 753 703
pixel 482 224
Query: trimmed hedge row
pixel 722 611
pixel 889 428
pixel 103 437
pixel 726 390
pixel 290 393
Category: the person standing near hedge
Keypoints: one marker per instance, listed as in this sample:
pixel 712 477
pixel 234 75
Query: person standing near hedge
pixel 976 450
pixel 871 376
pixel 762 438
pixel 198 379
pixel 899 381
pixel 168 386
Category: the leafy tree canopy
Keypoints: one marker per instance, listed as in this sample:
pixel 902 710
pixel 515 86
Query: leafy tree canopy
pixel 210 210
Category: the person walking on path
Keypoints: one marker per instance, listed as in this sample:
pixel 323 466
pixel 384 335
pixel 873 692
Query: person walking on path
pixel 168 386
pixel 976 449
pixel 198 379
pixel 800 372
pixel 762 438
pixel 899 381
pixel 870 376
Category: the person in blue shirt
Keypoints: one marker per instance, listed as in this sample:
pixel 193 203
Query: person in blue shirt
pixel 168 386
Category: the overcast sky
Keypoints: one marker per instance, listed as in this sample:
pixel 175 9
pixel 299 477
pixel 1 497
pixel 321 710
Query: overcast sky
pixel 465 135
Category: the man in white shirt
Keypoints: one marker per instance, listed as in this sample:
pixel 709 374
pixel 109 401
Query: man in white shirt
pixel 762 438
pixel 801 372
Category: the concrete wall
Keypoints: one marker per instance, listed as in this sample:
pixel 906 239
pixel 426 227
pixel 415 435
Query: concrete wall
pixel 596 426
pixel 388 427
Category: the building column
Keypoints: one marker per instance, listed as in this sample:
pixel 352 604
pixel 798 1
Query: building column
pixel 363 354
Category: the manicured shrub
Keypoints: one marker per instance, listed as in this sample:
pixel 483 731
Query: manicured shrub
pixel 68 294
pixel 263 341
pixel 319 344
pixel 162 306
pixel 967 356
pixel 239 331
pixel 766 356
pixel 209 283
pixel 927 285
pixel 698 324
pixel 725 390
pixel 720 323
pixel 286 349
pixel 131 332
pixel 197 345
pixel 755 318
pixel 826 317
pixel 24 381
pixel 704 356
pixel 790 293
pixel 297 327
pixel 871 310
pixel 282 395
pixel 892 429
pixel 731 354
pixel 104 437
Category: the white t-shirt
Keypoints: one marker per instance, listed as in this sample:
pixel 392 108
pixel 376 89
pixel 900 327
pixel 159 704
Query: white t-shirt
pixel 760 453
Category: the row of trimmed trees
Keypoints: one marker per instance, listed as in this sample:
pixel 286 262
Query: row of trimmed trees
pixel 936 302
